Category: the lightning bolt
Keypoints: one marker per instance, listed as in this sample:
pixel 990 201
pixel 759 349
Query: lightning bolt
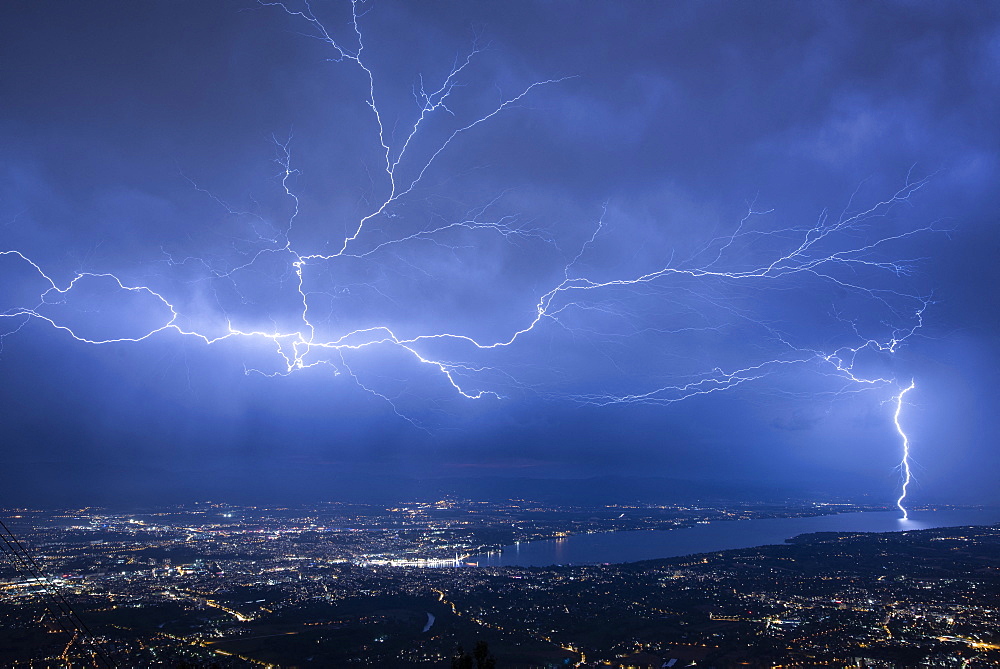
pixel 904 464
pixel 836 251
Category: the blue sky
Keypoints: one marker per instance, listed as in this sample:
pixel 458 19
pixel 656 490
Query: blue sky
pixel 200 150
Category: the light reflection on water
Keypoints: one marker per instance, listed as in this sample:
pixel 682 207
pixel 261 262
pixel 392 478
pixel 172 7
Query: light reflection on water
pixel 632 546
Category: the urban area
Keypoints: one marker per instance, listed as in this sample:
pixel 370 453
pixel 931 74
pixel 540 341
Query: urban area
pixel 341 585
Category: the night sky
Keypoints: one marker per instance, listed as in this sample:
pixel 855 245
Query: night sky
pixel 680 188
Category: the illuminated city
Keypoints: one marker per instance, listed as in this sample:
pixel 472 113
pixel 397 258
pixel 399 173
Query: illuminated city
pixel 346 584
pixel 499 334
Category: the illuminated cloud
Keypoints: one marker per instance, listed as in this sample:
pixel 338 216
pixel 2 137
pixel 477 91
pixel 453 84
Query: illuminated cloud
pixel 453 235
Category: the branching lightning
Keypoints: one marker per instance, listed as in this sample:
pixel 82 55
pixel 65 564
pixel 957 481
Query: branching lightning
pixel 904 463
pixel 839 251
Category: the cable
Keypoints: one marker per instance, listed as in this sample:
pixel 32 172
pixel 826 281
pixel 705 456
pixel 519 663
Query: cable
pixel 64 612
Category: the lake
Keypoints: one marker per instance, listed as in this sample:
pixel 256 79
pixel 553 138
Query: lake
pixel 636 545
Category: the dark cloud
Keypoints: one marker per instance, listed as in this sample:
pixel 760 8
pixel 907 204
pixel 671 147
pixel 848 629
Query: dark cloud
pixel 144 139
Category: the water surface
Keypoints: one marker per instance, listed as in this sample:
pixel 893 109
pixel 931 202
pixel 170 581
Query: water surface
pixel 632 546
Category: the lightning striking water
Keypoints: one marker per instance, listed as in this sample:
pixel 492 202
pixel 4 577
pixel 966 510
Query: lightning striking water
pixel 718 289
pixel 904 463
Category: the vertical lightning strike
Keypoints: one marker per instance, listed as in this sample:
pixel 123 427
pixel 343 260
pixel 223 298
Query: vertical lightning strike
pixel 905 462
pixel 846 253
